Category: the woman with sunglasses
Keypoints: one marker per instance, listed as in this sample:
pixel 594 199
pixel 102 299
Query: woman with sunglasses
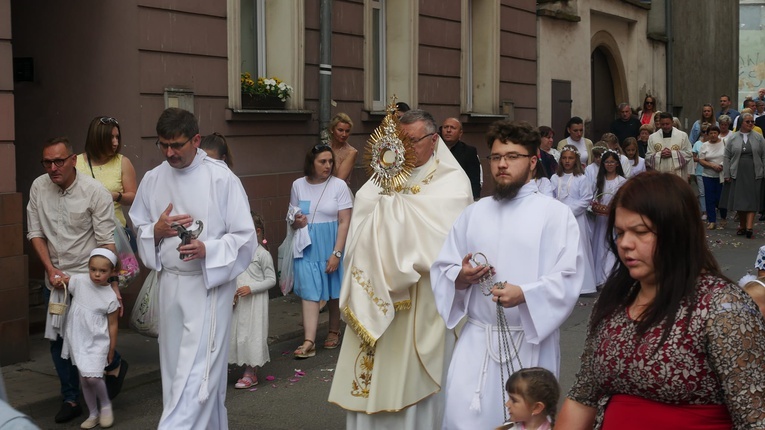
pixel 743 170
pixel 325 212
pixel 649 109
pixel 102 160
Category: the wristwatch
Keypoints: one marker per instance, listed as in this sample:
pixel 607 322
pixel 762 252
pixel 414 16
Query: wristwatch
pixel 337 254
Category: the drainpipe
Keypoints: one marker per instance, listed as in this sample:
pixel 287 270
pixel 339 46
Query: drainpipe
pixel 668 30
pixel 325 64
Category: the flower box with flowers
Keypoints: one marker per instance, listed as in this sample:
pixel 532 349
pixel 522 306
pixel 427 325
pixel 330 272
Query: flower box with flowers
pixel 264 93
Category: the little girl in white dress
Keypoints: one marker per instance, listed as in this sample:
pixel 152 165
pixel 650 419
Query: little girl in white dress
pixel 90 332
pixel 249 326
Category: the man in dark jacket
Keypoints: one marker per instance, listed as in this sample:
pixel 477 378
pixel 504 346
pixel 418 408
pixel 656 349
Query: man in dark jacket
pixel 466 155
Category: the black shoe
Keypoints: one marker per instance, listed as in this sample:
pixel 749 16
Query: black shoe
pixel 68 412
pixel 114 383
pixel 749 233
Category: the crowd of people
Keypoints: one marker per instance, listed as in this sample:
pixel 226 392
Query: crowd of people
pixel 408 270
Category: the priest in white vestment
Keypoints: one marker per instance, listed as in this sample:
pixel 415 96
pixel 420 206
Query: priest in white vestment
pixel 396 348
pixel 194 292
pixel 532 242
pixel 669 150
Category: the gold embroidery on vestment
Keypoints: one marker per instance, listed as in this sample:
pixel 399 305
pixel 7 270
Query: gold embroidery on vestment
pixel 366 285
pixel 362 372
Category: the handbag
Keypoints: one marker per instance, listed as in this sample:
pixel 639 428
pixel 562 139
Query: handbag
pixel 145 316
pixel 286 263
pixel 130 268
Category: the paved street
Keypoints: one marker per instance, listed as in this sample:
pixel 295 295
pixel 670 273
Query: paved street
pixel 295 402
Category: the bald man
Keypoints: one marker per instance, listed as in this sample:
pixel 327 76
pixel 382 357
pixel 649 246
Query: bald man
pixel 466 155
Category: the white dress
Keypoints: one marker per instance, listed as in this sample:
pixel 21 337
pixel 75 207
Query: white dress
pixel 86 333
pixel 545 260
pixel 576 193
pixel 640 168
pixel 249 325
pixel 603 257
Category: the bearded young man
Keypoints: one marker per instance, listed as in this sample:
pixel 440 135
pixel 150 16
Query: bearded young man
pixel 532 242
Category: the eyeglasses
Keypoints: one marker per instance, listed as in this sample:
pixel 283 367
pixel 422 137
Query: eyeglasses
pixel 510 156
pixel 748 121
pixel 423 137
pixel 108 120
pixel 57 161
pixel 174 146
pixel 649 103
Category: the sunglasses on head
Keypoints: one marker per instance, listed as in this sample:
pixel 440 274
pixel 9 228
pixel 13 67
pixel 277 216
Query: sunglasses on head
pixel 320 147
pixel 108 120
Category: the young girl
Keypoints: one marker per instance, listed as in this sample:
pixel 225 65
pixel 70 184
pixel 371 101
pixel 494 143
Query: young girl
pixel 90 332
pixel 699 169
pixel 631 151
pixel 533 393
pixel 591 171
pixel 610 178
pixel 249 325
pixel 612 143
pixel 571 187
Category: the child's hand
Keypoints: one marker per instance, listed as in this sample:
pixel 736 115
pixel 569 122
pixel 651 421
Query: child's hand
pixel 243 291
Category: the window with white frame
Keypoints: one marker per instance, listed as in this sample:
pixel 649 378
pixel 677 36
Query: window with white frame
pixel 266 38
pixel 253 37
pixel 390 34
pixel 480 64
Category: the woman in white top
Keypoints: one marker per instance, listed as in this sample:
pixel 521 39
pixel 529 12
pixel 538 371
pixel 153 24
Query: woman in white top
pixel 711 156
pixel 574 136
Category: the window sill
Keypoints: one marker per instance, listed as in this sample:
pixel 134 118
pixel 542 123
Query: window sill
pixel 268 115
pixel 475 117
pixel 373 115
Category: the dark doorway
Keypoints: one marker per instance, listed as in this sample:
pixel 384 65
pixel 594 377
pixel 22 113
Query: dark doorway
pixel 603 100
pixel 561 107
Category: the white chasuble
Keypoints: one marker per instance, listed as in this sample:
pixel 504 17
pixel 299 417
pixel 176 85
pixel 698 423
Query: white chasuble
pixel 533 242
pixel 392 359
pixel 681 160
pixel 195 296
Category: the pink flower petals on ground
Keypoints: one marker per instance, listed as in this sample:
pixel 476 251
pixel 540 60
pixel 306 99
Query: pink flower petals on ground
pixel 270 378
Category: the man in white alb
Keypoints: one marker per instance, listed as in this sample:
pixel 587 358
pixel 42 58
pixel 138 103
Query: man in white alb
pixel 515 231
pixel 194 292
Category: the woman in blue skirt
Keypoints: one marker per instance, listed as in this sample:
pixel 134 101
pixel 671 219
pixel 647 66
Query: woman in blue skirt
pixel 325 213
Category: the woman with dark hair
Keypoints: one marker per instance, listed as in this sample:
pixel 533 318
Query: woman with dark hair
pixel 102 160
pixel 216 146
pixel 649 108
pixel 671 342
pixel 325 210
pixel 548 156
pixel 574 136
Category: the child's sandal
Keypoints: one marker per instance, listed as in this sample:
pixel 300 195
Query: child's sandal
pixel 246 381
pixel 301 352
pixel 332 342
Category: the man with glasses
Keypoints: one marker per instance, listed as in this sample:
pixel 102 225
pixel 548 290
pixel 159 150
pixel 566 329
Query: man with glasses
pixel 68 215
pixel 396 350
pixel 196 278
pixel 669 149
pixel 513 232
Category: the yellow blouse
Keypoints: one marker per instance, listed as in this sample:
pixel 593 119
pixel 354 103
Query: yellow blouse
pixel 110 175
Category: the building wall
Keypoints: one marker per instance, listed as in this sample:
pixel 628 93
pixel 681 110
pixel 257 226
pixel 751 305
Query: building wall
pixel 751 49
pixel 118 58
pixel 14 293
pixel 704 59
pixel 565 46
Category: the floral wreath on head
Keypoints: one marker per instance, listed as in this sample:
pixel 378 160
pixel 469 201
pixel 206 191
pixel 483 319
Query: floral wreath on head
pixel 570 148
pixel 613 151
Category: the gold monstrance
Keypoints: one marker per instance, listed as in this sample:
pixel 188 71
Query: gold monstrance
pixel 390 155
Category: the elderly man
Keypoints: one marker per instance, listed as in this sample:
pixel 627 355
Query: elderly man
pixel 394 356
pixel 68 215
pixel 196 277
pixel 669 149
pixel 537 289
pixel 466 155
pixel 627 125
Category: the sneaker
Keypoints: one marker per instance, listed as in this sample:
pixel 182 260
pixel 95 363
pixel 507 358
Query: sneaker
pixel 68 412
pixel 704 217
